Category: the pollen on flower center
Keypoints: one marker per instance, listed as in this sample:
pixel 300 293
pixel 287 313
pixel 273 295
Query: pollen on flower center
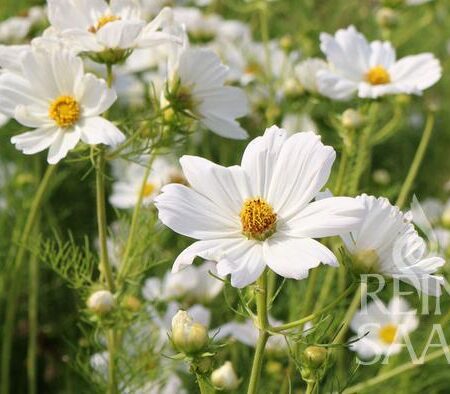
pixel 388 333
pixel 378 75
pixel 149 189
pixel 65 111
pixel 104 20
pixel 258 219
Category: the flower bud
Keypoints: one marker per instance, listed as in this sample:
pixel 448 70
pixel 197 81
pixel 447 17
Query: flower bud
pixel 315 356
pixel 224 378
pixel 101 302
pixel 188 336
pixel 352 119
pixel 386 17
pixel 131 303
pixel 446 217
pixel 382 177
pixel 366 262
pixel 286 42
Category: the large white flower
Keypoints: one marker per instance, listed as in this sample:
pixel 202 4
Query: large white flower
pixel 96 26
pixel 381 328
pixel 197 79
pixel 387 243
pixel 371 69
pixel 260 213
pixel 52 94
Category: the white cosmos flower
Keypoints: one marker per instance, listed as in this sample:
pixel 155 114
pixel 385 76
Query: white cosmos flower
pixel 306 72
pixel 260 213
pixel 96 26
pixel 197 84
pixel 193 284
pixel 371 69
pixel 130 175
pixel 387 243
pixel 53 95
pixel 381 328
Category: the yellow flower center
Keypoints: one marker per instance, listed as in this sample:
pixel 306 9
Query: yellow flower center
pixel 378 75
pixel 65 111
pixel 388 333
pixel 104 20
pixel 258 219
pixel 148 190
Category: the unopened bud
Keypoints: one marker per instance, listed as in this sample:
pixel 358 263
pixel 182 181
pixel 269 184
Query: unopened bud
pixel 188 336
pixel 101 302
pixel 286 42
pixel 386 17
pixel 352 119
pixel 132 303
pixel 225 378
pixel 366 262
pixel 382 177
pixel 315 356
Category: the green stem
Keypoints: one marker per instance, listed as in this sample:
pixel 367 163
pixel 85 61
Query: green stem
pixel 314 315
pixel 204 386
pixel 310 387
pixel 133 227
pixel 263 323
pixel 354 305
pixel 11 300
pixel 361 387
pixel 418 158
pixel 326 288
pixel 33 323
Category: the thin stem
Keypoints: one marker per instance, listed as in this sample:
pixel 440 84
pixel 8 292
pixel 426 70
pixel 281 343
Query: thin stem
pixel 314 315
pixel 310 290
pixel 101 220
pixel 204 386
pixel 33 323
pixel 354 305
pixel 261 307
pixel 326 288
pixel 11 301
pixel 310 387
pixel 133 227
pixel 418 158
pixel 359 388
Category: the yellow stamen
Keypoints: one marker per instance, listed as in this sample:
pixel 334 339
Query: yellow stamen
pixel 258 219
pixel 388 333
pixel 65 111
pixel 149 189
pixel 104 20
pixel 378 75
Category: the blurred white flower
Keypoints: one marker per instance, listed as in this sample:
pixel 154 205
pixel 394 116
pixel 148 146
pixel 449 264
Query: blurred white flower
pixel 53 95
pixel 130 175
pixel 371 69
pixel 251 216
pixel 193 284
pixel 382 328
pixel 247 333
pixel 387 243
pixel 416 2
pixel 292 122
pixel 225 378
pixel 306 72
pixel 98 25
pixel 197 79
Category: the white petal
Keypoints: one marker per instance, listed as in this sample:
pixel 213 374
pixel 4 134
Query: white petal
pixel 334 86
pixel 227 187
pixel 98 130
pixel 294 257
pixel 224 127
pixel 382 54
pixel 64 141
pixel 416 72
pixel 120 34
pixel 32 116
pixel 327 217
pixel 191 214
pixel 36 140
pixel 94 95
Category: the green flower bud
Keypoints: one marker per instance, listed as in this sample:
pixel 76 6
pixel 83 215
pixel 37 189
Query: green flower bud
pixel 188 336
pixel 315 356
pixel 352 119
pixel 101 302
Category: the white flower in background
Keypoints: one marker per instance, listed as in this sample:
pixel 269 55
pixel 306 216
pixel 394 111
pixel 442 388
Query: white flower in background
pixel 298 121
pixel 225 378
pixel 130 175
pixel 14 30
pixel 381 329
pixel 416 2
pixel 371 69
pixel 247 333
pixel 54 96
pixel 96 26
pixel 192 284
pixel 306 72
pixel 387 243
pixel 251 216
pixel 197 79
